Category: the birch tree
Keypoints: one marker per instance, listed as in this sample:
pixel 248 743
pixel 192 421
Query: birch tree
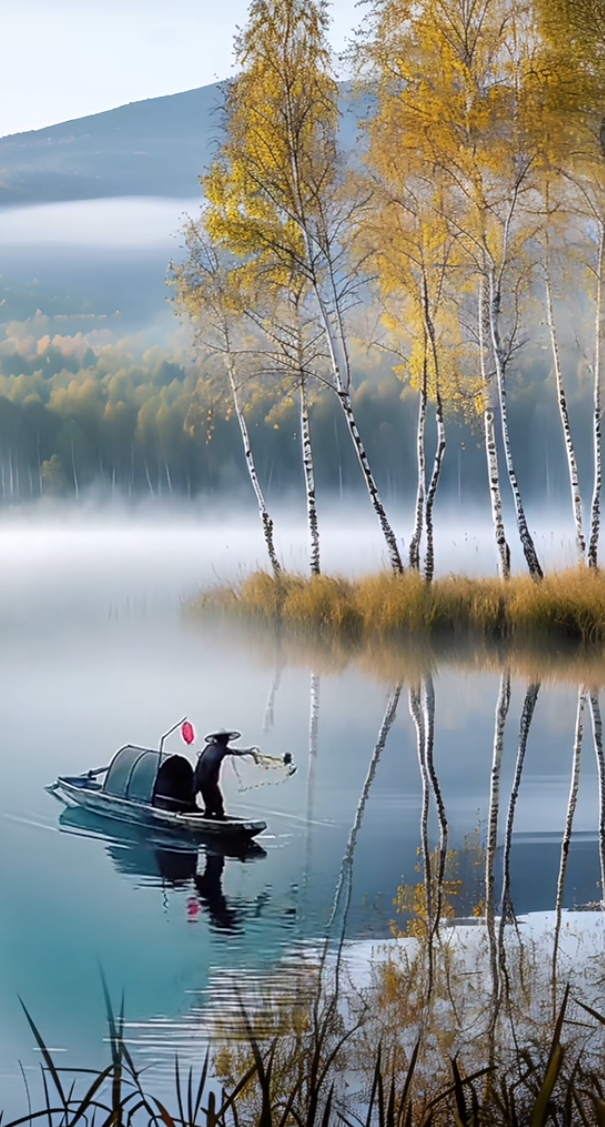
pixel 506 903
pixel 597 735
pixel 294 360
pixel 428 708
pixel 486 409
pixel 277 192
pixel 572 69
pixel 527 714
pixel 412 252
pixel 466 118
pixel 572 802
pixel 502 707
pixel 345 876
pixel 204 290
pixel 419 718
pixel 550 216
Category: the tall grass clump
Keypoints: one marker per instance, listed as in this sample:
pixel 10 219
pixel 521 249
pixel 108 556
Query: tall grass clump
pixel 566 606
pixel 307 1074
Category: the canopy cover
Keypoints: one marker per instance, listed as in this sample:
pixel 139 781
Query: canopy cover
pixel 138 775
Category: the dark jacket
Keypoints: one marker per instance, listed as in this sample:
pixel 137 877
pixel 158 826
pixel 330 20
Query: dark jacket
pixel 208 766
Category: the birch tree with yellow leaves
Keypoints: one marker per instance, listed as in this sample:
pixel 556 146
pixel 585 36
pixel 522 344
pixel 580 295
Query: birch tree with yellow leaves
pixel 412 260
pixel 572 81
pixel 451 77
pixel 407 240
pixel 268 345
pixel 277 192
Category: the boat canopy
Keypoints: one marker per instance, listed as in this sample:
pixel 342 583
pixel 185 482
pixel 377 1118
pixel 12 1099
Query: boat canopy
pixel 139 775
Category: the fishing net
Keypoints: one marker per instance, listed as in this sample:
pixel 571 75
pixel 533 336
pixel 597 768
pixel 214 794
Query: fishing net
pixel 277 769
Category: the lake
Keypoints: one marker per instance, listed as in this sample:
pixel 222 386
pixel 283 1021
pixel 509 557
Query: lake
pixel 96 653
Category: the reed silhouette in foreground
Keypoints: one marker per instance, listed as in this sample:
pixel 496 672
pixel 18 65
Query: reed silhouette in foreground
pixel 543 1084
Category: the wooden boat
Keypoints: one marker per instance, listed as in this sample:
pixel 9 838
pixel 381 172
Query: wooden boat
pixel 158 854
pixel 143 786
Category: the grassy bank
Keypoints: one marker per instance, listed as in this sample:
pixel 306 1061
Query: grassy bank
pixel 567 607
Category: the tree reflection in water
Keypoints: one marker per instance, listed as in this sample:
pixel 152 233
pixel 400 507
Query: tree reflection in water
pixel 479 985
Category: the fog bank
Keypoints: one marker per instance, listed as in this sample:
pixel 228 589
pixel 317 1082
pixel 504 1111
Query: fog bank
pixel 69 560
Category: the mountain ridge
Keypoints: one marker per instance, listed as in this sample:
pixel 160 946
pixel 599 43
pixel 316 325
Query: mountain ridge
pixel 154 147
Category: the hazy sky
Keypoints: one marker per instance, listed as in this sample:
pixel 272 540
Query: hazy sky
pixel 65 58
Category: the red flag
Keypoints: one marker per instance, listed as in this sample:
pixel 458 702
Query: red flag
pixel 187 732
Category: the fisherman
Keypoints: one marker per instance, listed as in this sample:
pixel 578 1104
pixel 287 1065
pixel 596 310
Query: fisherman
pixel 208 769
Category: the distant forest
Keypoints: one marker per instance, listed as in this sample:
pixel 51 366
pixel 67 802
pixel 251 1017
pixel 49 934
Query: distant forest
pixel 80 409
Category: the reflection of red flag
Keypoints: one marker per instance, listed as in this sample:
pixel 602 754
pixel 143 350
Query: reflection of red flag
pixel 187 732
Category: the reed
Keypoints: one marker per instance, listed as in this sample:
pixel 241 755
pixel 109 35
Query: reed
pixel 567 607
pixel 544 1083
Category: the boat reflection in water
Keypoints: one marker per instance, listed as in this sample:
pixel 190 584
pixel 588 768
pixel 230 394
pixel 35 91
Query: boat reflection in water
pixel 171 861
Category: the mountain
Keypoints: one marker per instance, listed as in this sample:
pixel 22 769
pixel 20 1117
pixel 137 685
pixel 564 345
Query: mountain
pixel 157 147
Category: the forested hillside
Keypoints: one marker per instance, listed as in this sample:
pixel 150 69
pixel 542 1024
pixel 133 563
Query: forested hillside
pixel 78 409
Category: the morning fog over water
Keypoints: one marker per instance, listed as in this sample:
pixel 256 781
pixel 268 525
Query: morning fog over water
pixel 96 652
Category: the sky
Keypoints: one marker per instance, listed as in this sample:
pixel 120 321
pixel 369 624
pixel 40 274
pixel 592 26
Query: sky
pixel 63 59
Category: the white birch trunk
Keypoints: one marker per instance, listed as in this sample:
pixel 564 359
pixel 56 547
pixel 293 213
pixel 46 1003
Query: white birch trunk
pixel 492 829
pixel 269 718
pixel 148 476
pixel 572 464
pixel 346 868
pixel 74 471
pixel 529 549
pixel 337 349
pixel 506 905
pixel 429 562
pixel 419 717
pixel 414 553
pixel 307 455
pixel 311 770
pixel 420 726
pixel 266 521
pixel 340 367
pixel 529 706
pixel 313 732
pixel 491 451
pixel 428 708
pixel 389 535
pixel 314 690
pixel 595 512
pixel 597 735
pixel 572 802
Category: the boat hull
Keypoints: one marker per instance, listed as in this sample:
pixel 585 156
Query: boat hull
pixel 81 792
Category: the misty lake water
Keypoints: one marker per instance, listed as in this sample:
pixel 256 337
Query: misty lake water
pixel 95 653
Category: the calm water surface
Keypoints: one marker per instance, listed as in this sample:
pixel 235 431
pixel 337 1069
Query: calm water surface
pixel 94 654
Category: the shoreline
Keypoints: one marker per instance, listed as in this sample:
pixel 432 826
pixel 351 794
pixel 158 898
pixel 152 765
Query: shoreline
pixel 567 607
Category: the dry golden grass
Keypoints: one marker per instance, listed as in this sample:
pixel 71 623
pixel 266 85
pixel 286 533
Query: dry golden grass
pixel 396 628
pixel 567 606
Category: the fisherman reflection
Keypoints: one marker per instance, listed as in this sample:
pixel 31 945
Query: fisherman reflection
pixel 209 887
pixel 224 915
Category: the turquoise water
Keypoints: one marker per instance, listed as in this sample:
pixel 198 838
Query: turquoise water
pixel 171 926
